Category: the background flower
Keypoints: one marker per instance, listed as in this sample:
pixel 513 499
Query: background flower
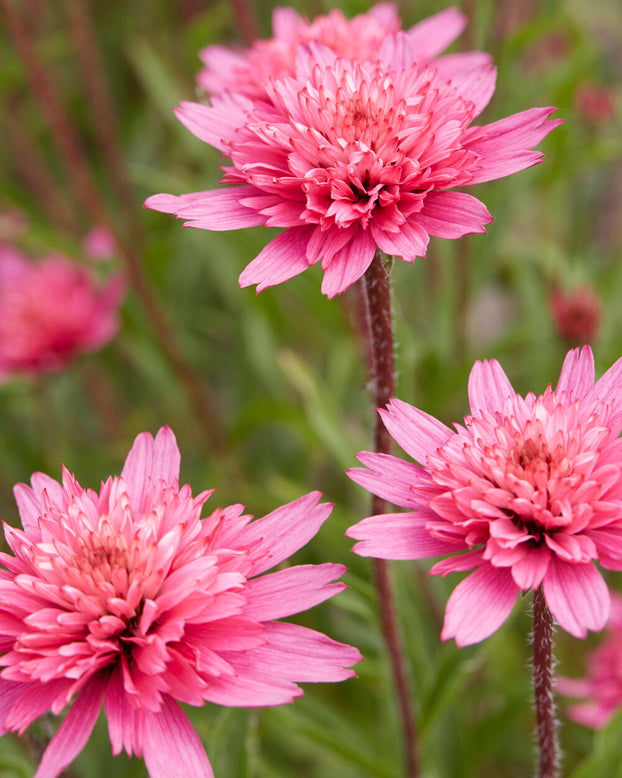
pixel 353 155
pixel 50 311
pixel 527 493
pixel 127 597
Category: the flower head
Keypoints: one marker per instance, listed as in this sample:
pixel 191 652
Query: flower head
pixel 527 493
pixel 249 72
pixel 602 687
pixel 351 155
pixel 50 311
pixel 576 314
pixel 127 597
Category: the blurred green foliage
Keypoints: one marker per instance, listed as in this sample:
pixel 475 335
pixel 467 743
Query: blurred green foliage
pixel 288 376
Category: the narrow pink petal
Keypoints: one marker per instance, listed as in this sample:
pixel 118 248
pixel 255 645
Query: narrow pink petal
pixel 34 700
pixel 489 387
pixel 348 264
pixel 282 259
pixel 125 724
pixel 479 605
pixel 244 690
pixel 476 86
pixel 434 34
pixel 451 65
pixel 215 123
pixel 409 242
pixel 149 461
pixel 286 24
pixel 608 388
pixel 388 477
pixel 577 597
pixel 75 730
pixel 303 655
pixel 458 563
pixel 10 691
pixel 577 373
pixel 28 505
pixel 277 535
pixel 505 146
pixel 214 209
pixel 418 433
pixel 171 747
pixel 396 536
pixel 43 483
pixel 453 214
pixel 289 591
pixel 529 571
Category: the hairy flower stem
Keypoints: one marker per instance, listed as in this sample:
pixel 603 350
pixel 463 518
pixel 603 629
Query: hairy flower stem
pixel 543 686
pixel 382 374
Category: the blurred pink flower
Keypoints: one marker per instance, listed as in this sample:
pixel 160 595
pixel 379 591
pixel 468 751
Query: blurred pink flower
pixel 351 155
pixel 594 103
pixel 249 72
pixel 99 243
pixel 576 314
pixel 602 687
pixel 50 311
pixel 528 492
pixel 127 597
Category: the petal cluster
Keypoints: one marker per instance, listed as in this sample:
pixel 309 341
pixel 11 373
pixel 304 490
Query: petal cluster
pixel 129 598
pixel 360 38
pixel 527 493
pixel 353 154
pixel 50 311
pixel 601 689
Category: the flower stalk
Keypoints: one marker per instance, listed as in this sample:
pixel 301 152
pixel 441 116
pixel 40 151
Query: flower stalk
pixel 543 686
pixel 382 375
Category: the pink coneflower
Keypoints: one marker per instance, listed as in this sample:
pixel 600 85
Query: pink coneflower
pixel 576 314
pixel 602 686
pixel 249 72
pixel 352 155
pixel 527 493
pixel 127 597
pixel 50 311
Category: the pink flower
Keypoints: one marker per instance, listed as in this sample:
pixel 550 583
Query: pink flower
pixel 99 243
pixel 127 597
pixel 527 493
pixel 576 314
pixel 50 311
pixel 353 155
pixel 602 688
pixel 249 72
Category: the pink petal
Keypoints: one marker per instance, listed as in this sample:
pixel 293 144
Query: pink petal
pixel 286 24
pixel 479 605
pixel 577 596
pixel 217 122
pixel 608 388
pixel 149 461
pixel 348 264
pixel 529 571
pixel 387 476
pixel 9 693
pixel 281 594
pixel 409 242
pixel 418 433
pixel 244 690
pixel 451 65
pixel 214 209
pixel 171 747
pixel 489 388
pixel 75 730
pixel 476 85
pixel 396 536
pixel 434 34
pixel 303 655
pixel 282 259
pixel 577 373
pixel 277 535
pixel 453 214
pixel 28 505
pixel 125 724
pixel 505 146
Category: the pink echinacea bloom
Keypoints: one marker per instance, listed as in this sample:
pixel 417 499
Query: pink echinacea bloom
pixel 527 493
pixel 130 599
pixel 353 155
pixel 51 310
pixel 248 72
pixel 602 687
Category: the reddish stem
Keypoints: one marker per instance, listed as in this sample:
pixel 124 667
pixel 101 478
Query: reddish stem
pixel 246 20
pixel 543 686
pixel 382 374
